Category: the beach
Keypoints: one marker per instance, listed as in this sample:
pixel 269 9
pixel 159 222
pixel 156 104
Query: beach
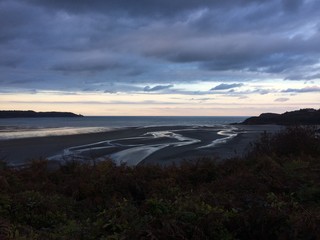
pixel 162 145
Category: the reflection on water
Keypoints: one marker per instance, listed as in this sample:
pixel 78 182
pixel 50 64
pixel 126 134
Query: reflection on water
pixel 40 127
pixel 132 151
pixel 15 133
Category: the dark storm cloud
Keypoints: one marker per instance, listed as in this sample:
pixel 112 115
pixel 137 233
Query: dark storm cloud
pixel 245 51
pixel 91 65
pixel 292 5
pixel 303 77
pixel 11 62
pixel 156 88
pixel 225 86
pixel 23 82
pixel 156 8
pixel 14 17
pixel 152 42
pixel 153 8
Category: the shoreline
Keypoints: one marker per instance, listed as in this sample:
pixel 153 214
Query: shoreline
pixel 237 146
pixel 177 145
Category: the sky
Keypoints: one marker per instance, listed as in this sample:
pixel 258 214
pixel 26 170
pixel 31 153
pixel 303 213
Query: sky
pixel 160 58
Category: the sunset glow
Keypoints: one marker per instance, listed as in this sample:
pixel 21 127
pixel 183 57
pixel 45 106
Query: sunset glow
pixel 198 58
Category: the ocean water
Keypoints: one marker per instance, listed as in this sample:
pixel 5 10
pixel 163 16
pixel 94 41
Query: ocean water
pixel 36 127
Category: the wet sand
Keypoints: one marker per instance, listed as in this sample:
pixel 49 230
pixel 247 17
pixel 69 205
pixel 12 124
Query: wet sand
pixel 150 145
pixel 235 147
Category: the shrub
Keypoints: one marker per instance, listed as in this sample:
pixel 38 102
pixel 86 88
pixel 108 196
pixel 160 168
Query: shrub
pixel 271 194
pixel 294 140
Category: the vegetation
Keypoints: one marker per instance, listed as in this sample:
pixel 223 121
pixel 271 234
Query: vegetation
pixel 273 193
pixel 33 114
pixel 307 116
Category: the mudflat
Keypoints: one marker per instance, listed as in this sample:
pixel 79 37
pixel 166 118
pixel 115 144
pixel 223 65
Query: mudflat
pixel 150 145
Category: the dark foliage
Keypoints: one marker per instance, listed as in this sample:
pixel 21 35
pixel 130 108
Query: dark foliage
pixel 273 193
pixel 33 114
pixel 306 116
pixel 294 140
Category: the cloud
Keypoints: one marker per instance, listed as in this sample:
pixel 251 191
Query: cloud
pixel 263 91
pixel 246 51
pixel 225 86
pixel 282 99
pixel 157 88
pixel 87 65
pixel 11 63
pixel 302 90
pixel 243 97
pixel 303 77
pixel 257 90
pixel 145 102
pixel 201 99
pixel 72 45
pixel 292 5
pixel 15 17
pixel 109 91
pixel 151 8
pixel 23 81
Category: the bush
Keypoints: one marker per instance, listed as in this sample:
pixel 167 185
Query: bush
pixel 271 194
pixel 296 140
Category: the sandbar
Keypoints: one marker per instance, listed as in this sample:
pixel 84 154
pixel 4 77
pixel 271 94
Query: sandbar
pixel 150 145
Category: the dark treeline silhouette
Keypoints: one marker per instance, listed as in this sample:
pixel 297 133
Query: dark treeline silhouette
pixel 306 116
pixel 33 114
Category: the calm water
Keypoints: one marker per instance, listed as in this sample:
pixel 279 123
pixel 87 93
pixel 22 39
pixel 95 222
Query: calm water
pixel 31 127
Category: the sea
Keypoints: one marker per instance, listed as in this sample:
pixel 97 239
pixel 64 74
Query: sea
pixel 14 128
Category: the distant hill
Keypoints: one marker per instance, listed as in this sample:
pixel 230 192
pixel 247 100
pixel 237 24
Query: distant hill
pixel 306 116
pixel 33 114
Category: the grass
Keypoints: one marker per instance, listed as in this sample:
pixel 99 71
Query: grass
pixel 273 193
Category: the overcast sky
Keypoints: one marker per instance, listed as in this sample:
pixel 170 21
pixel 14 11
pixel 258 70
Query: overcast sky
pixel 152 57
